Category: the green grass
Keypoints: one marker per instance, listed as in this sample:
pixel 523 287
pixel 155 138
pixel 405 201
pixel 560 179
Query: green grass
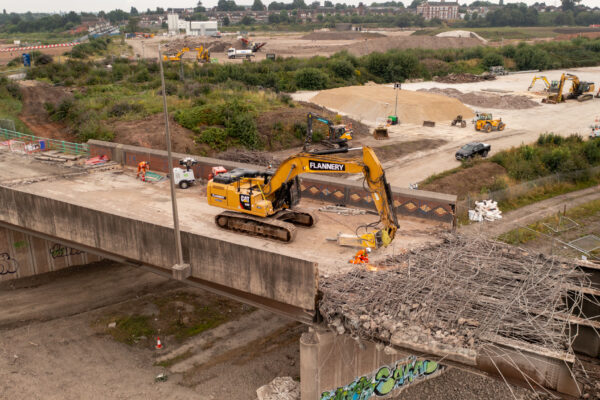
pixel 42 37
pixel 546 192
pixel 523 235
pixel 10 108
pixel 130 328
pixel 499 33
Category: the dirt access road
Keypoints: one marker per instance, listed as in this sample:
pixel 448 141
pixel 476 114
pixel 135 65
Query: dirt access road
pixel 523 125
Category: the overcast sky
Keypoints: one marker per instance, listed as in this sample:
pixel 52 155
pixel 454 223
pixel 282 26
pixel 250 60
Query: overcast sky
pixel 107 5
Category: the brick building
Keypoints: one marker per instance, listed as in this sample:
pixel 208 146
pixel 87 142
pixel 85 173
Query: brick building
pixel 441 10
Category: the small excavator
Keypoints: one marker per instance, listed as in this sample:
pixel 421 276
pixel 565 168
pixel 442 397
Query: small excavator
pixel 263 203
pixel 339 135
pixel 203 55
pixel 582 91
pixel 177 56
pixel 551 87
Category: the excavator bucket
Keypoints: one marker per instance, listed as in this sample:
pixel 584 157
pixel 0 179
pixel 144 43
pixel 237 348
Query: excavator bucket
pixel 381 133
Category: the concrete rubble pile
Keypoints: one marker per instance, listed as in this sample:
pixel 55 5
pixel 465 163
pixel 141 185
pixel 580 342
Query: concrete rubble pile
pixel 458 295
pixel 487 100
pixel 281 388
pixel 486 210
pixel 464 78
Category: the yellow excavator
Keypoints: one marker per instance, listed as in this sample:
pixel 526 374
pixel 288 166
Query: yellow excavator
pixel 263 203
pixel 580 90
pixel 203 55
pixel 549 87
pixel 177 56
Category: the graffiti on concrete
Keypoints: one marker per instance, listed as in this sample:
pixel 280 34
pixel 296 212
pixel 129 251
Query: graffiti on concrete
pixel 59 250
pixel 8 265
pixel 385 380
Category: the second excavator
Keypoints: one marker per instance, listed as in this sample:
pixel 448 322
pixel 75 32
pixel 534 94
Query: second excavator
pixel 263 204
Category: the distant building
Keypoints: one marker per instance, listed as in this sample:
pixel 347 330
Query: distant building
pixel 193 28
pixel 441 10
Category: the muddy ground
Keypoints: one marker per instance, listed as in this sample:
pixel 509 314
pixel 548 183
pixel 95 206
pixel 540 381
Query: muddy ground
pixel 62 348
pixel 34 114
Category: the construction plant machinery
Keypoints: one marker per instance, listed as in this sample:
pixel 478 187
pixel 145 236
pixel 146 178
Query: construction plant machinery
pixel 485 122
pixel 580 90
pixel 338 135
pixel 202 55
pixel 254 46
pixel 459 121
pixel 263 203
pixel 177 56
pixel 551 87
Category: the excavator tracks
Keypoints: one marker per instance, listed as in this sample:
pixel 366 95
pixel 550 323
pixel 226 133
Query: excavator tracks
pixel 269 228
pixel 297 216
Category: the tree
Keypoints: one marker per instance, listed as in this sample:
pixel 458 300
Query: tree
pixel 315 5
pixel 4 11
pixel 199 7
pixel 102 15
pixel 258 6
pixel 569 4
pixel 226 21
pixel 415 3
pixel 133 11
pixel 328 4
pixel 227 5
pixel 132 25
pixel 247 20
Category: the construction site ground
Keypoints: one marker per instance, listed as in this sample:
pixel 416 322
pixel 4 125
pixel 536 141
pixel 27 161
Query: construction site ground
pixel 62 348
pixel 522 125
pixel 299 44
pixel 119 192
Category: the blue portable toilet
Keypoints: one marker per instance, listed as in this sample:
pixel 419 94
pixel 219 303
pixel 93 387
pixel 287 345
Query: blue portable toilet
pixel 26 60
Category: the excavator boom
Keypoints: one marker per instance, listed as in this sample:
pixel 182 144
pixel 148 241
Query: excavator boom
pixel 271 196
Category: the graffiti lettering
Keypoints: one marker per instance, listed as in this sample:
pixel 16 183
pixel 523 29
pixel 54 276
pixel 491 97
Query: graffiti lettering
pixel 58 250
pixel 385 380
pixel 8 265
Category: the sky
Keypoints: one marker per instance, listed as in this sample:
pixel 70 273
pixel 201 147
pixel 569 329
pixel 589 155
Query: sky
pixel 107 5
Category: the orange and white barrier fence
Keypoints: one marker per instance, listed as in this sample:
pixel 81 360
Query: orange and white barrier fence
pixel 43 46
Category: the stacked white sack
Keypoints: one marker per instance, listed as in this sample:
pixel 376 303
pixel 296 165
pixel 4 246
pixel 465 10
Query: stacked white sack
pixel 485 210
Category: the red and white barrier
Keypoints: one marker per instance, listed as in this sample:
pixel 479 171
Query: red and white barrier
pixel 44 46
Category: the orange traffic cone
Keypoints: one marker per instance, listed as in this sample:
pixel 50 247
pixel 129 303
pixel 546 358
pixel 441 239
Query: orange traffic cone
pixel 158 344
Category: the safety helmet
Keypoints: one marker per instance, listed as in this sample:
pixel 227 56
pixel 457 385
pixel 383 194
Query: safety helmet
pixel 368 249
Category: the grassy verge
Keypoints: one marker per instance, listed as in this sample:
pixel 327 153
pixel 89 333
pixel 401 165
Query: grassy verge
pixel 585 214
pixel 11 104
pixel 499 33
pixel 38 37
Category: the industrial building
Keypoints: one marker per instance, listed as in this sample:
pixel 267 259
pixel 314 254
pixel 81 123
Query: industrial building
pixel 193 28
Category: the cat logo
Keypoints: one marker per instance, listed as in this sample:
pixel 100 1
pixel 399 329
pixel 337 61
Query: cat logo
pixel 245 202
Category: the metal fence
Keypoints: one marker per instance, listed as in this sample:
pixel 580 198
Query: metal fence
pixel 49 144
pixel 522 189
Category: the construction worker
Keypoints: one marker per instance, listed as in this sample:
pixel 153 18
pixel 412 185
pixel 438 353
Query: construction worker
pixel 142 168
pixel 361 257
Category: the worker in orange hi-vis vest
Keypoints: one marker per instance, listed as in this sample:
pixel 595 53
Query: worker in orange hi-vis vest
pixel 142 168
pixel 361 257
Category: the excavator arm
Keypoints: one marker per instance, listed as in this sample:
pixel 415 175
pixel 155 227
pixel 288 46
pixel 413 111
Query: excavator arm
pixel 328 162
pixel 543 79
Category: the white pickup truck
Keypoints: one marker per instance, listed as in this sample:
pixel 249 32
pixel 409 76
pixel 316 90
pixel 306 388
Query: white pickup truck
pixel 233 53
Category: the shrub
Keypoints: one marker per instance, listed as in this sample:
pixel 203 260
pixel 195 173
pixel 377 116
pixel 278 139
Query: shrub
pixel 311 79
pixel 342 68
pixel 120 109
pixel 492 59
pixel 213 136
pixel 242 127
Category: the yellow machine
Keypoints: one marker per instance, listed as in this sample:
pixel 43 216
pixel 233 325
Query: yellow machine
pixel 580 90
pixel 203 55
pixel 549 87
pixel 263 203
pixel 338 135
pixel 485 122
pixel 176 57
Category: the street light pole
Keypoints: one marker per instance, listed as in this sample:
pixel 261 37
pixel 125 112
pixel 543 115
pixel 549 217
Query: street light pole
pixel 170 162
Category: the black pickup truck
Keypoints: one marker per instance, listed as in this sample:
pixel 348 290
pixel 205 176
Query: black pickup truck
pixel 473 149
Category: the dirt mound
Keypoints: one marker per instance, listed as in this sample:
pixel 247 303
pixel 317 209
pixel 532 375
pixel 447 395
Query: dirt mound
pixel 34 114
pixel 262 158
pixel 464 78
pixel 368 103
pixel 468 180
pixel 409 42
pixel 150 132
pixel 487 100
pixel 349 35
pixel 216 46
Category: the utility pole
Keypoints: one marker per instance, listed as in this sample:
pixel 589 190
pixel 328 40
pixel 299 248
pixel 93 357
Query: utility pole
pixel 180 270
pixel 396 88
